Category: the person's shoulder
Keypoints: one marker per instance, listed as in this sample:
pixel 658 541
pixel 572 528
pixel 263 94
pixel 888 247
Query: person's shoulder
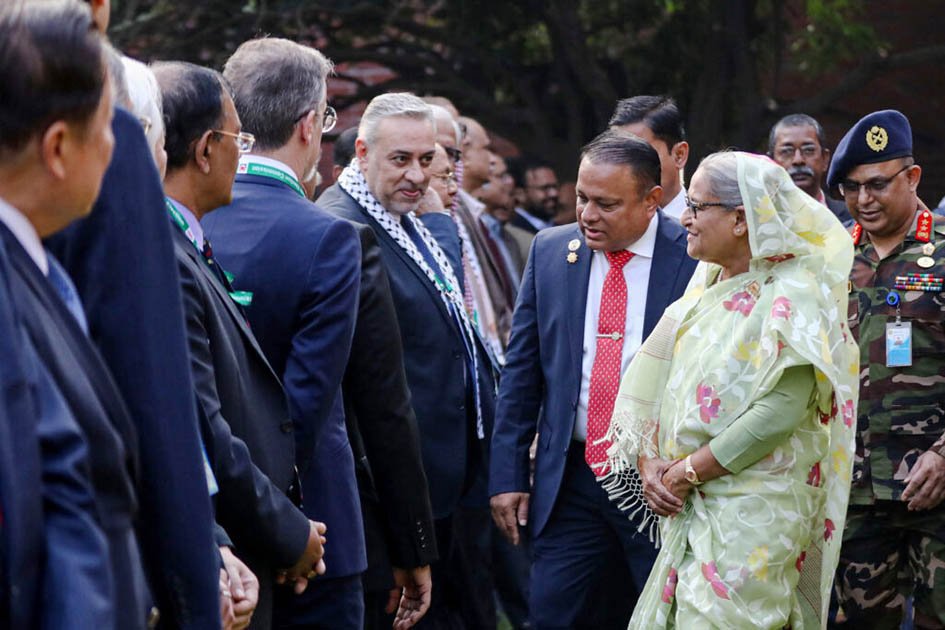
pixel 559 234
pixel 671 229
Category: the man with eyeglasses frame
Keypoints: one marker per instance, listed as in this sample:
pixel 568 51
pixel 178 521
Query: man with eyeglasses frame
pixel 896 519
pixel 798 143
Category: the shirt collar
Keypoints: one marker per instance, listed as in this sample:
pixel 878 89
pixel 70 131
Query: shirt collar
pixel 676 206
pixel 245 160
pixel 25 233
pixel 192 221
pixel 645 245
pixel 475 206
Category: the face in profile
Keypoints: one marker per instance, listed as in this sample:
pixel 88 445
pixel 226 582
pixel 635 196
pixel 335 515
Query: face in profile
pixel 396 164
pixel 442 178
pixel 90 147
pixel 614 208
pixel 711 228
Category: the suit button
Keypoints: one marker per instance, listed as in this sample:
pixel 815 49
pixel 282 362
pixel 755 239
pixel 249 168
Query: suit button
pixel 154 615
pixel 462 407
pixel 456 355
pixel 286 427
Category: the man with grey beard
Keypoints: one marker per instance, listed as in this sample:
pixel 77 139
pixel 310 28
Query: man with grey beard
pixel 798 143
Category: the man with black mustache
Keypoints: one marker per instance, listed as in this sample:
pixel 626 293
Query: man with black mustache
pixel 798 143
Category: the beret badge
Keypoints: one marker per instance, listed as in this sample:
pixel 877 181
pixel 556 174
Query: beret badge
pixel 877 138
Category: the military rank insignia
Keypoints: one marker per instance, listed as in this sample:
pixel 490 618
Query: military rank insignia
pixel 920 282
pixel 877 138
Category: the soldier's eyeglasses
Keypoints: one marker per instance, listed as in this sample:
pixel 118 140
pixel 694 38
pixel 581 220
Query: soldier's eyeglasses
pixel 244 140
pixel 851 188
pixel 696 206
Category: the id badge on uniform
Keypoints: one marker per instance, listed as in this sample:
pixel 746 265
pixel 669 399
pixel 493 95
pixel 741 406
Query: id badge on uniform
pixel 899 344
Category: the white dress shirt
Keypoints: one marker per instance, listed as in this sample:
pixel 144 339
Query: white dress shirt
pixel 677 206
pixel 637 274
pixel 26 234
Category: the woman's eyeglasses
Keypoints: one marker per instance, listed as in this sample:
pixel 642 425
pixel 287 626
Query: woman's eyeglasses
pixel 696 206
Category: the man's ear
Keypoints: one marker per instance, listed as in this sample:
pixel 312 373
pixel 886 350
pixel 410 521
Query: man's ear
pixel 652 199
pixel 54 147
pixel 307 127
pixel 202 152
pixel 680 154
pixel 360 149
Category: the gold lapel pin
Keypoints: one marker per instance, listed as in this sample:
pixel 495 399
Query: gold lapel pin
pixel 574 244
pixel 572 258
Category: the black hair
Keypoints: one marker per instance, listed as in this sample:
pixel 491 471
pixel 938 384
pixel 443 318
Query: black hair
pixel 192 98
pixel 343 149
pixel 520 166
pixel 51 68
pixel 620 147
pixel 797 120
pixel 659 113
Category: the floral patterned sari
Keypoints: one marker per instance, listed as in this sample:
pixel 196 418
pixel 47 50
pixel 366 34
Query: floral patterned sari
pixel 755 549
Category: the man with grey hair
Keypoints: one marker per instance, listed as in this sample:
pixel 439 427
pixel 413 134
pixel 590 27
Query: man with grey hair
pixel 296 269
pixel 448 369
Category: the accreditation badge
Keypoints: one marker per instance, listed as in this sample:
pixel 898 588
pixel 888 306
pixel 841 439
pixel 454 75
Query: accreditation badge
pixel 898 344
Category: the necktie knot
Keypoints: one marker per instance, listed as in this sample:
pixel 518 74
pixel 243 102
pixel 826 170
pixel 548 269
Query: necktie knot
pixel 619 259
pixel 207 249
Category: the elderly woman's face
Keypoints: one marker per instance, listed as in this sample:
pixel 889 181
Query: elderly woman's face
pixel 717 234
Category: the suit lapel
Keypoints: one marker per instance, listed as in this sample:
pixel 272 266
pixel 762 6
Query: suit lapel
pixel 82 348
pixel 663 271
pixel 577 276
pixel 388 241
pixel 235 314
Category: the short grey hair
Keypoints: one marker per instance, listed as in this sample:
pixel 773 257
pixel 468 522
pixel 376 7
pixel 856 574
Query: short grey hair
pixel 145 97
pixel 441 112
pixel 275 82
pixel 401 104
pixel 721 171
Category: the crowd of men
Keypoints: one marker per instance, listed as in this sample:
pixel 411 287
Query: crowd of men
pixel 225 403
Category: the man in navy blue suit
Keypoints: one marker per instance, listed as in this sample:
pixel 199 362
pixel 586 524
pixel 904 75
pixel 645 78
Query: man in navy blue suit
pixel 55 145
pixel 448 369
pixel 591 293
pixel 299 271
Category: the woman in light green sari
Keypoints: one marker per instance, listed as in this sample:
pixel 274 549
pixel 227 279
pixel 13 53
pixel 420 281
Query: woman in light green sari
pixel 739 410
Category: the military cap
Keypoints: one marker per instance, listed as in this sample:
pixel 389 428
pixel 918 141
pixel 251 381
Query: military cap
pixel 877 137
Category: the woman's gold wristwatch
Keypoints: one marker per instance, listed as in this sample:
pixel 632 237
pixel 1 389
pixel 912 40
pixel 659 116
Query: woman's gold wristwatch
pixel 691 475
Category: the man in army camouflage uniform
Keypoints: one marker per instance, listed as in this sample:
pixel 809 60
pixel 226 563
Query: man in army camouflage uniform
pixel 894 542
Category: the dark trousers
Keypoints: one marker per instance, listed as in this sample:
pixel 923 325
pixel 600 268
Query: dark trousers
pixel 329 604
pixel 586 538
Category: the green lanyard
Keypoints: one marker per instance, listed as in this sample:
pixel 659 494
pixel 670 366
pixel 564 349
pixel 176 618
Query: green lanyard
pixel 243 298
pixel 182 223
pixel 261 170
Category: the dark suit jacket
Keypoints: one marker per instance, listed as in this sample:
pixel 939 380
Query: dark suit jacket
pixel 522 223
pixel 302 266
pixel 382 427
pixel 245 407
pixel 435 362
pixel 53 574
pixel 541 380
pixel 122 262
pixel 93 400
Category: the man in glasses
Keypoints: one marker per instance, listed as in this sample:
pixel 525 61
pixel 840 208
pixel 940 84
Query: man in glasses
pixel 896 521
pixel 237 389
pixel 798 143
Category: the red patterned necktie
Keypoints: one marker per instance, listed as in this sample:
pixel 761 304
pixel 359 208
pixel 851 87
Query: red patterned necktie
pixel 605 374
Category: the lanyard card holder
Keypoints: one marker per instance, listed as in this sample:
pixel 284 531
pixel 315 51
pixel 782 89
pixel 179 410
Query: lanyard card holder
pixel 898 344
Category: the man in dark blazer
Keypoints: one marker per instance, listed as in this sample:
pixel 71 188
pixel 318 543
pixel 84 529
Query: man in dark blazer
pixel 55 149
pixel 448 370
pixel 236 389
pixel 129 223
pixel 301 267
pixel 561 364
pixel 53 574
